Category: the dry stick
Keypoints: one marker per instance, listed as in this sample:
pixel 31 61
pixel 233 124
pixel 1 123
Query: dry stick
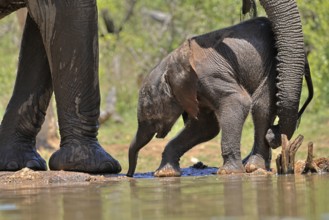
pixel 285 162
pixel 310 165
pixel 278 164
pixel 294 146
pixel 284 151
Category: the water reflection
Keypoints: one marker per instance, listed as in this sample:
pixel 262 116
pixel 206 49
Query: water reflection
pixel 209 197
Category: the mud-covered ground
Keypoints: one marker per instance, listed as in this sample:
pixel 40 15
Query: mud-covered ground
pixel 28 177
pixel 149 158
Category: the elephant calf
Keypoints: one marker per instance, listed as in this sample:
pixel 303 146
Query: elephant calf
pixel 214 80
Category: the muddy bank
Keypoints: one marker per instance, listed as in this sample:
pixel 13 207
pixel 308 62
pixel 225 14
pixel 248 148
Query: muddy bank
pixel 26 177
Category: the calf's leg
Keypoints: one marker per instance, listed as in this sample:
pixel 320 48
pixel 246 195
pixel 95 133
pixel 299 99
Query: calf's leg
pixel 194 132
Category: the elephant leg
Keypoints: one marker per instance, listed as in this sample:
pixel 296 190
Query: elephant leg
pixel 27 108
pixel 263 114
pixel 232 115
pixel 69 32
pixel 144 134
pixel 194 132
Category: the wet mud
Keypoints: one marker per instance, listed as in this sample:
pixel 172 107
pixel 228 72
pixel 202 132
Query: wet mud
pixel 28 177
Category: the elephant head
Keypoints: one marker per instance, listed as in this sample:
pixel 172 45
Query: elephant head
pixel 287 28
pixel 169 91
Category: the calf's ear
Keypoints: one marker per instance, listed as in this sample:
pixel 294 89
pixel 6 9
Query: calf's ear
pixel 183 80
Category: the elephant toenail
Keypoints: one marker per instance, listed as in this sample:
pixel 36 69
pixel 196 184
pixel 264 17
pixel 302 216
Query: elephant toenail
pixel 222 172
pixel 111 167
pixel 106 166
pixel 35 165
pixel 12 165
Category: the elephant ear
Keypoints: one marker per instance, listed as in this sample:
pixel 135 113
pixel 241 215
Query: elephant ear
pixel 183 80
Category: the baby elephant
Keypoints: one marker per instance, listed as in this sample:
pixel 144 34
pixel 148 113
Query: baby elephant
pixel 213 80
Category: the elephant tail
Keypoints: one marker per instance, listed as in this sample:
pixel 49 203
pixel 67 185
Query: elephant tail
pixel 309 84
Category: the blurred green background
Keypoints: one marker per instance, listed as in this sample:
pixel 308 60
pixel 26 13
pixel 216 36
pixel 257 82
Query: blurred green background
pixel 139 33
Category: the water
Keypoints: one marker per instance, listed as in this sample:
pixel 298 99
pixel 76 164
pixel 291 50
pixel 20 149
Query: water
pixel 208 197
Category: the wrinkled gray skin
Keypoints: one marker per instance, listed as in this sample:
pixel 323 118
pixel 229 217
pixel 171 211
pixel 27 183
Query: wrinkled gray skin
pixel 287 29
pixel 59 53
pixel 214 81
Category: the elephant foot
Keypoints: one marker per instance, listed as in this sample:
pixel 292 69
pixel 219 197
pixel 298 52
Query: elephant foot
pixel 254 162
pixel 87 157
pixel 231 167
pixel 19 156
pixel 168 170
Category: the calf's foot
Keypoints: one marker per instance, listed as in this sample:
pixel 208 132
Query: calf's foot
pixel 168 170
pixel 255 162
pixel 83 156
pixel 230 167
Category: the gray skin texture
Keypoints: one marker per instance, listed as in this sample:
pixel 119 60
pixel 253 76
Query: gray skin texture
pixel 289 41
pixel 59 53
pixel 214 81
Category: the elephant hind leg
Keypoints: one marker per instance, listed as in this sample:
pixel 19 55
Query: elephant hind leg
pixel 263 113
pixel 195 132
pixel 232 114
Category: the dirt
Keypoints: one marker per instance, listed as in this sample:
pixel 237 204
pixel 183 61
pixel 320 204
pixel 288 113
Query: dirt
pixel 149 159
pixel 28 177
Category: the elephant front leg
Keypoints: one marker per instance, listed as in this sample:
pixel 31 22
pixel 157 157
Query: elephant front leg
pixel 194 132
pixel 232 115
pixel 69 31
pixel 27 108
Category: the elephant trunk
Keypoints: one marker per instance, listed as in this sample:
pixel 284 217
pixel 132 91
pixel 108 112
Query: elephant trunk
pixel 143 135
pixel 287 29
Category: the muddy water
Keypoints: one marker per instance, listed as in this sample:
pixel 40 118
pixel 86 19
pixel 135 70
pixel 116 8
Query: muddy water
pixel 206 197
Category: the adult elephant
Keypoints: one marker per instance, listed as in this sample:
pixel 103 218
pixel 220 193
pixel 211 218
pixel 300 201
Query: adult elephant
pixel 59 53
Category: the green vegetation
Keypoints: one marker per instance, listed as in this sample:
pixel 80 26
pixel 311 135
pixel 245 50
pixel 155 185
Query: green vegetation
pixel 129 54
